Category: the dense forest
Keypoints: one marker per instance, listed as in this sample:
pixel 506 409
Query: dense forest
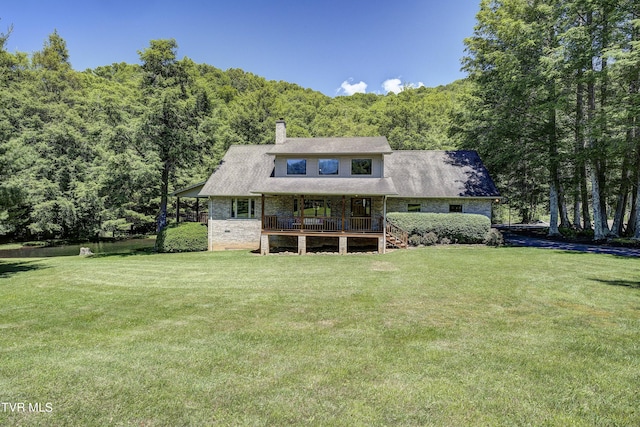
pixel 556 106
pixel 95 152
pixel 551 102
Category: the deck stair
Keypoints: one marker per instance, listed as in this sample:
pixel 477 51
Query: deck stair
pixel 396 236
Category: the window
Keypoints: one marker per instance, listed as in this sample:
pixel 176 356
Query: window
pixel 296 167
pixel 455 208
pixel 243 208
pixel 414 207
pixel 328 166
pixel 360 166
pixel 312 207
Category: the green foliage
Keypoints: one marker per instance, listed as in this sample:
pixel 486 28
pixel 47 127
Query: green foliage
pixel 457 227
pixel 426 239
pixel 493 238
pixel 573 233
pixel 98 151
pixel 185 237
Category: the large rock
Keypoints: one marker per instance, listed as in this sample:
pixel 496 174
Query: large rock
pixel 85 252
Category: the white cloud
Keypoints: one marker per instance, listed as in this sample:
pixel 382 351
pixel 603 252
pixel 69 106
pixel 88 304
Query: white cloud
pixel 392 85
pixel 349 89
pixel 396 86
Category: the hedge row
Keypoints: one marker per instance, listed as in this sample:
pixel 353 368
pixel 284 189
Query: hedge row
pixel 185 237
pixel 449 227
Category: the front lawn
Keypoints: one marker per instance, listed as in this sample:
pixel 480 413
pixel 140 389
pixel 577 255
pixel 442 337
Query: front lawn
pixel 448 335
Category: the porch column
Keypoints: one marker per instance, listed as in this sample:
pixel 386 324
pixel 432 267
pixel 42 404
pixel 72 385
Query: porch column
pixel 210 226
pixel 302 245
pixel 262 215
pixel 197 210
pixel 384 223
pixel 343 207
pixel 301 216
pixel 382 244
pixel 342 245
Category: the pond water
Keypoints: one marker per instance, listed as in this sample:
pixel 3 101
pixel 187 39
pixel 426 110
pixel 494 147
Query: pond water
pixel 122 246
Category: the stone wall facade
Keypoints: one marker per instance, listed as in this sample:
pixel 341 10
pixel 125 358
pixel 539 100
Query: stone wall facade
pixel 472 206
pixel 225 232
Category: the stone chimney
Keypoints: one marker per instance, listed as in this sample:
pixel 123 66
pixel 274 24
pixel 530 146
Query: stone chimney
pixel 281 131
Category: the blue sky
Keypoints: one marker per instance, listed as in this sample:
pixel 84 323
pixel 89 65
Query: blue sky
pixel 335 47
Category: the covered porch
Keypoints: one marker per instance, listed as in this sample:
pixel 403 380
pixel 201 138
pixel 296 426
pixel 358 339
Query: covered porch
pixel 191 213
pixel 323 218
pixel 323 208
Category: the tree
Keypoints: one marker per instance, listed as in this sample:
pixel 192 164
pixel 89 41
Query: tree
pixel 168 124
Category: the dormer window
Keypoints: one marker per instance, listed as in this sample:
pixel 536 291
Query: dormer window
pixel 328 166
pixel 361 166
pixel 296 167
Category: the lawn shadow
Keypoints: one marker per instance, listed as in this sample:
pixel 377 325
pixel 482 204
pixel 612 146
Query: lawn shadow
pixel 634 284
pixel 10 268
pixel 123 254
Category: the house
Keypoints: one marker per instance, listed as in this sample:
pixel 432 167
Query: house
pixel 305 192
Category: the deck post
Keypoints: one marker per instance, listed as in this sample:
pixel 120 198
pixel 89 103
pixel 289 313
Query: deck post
pixel 381 244
pixel 264 244
pixel 302 245
pixel 342 245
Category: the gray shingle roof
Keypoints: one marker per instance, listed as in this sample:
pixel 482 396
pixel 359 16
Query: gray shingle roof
pixel 336 146
pixel 246 170
pixel 242 167
pixel 439 174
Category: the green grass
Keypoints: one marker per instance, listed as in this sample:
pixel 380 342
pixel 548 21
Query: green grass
pixel 433 336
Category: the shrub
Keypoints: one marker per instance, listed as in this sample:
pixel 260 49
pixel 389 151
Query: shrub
pixel 415 240
pixel 186 237
pixel 493 238
pixel 429 238
pixel 457 227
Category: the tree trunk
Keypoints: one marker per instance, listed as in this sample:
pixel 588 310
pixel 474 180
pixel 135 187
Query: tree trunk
pixel 164 196
pixel 636 235
pixel 580 173
pixel 562 207
pixel 553 208
pixel 554 182
pixel 584 196
pixel 623 192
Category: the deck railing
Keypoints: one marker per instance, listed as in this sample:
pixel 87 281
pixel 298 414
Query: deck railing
pixel 323 224
pixel 201 217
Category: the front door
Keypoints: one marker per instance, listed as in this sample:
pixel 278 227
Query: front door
pixel 361 207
